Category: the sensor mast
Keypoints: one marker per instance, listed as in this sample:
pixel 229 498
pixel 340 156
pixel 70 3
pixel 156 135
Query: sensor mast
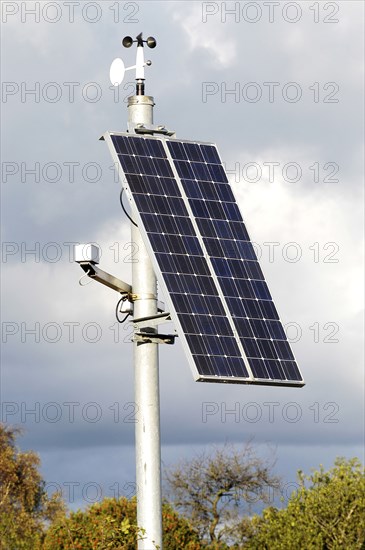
pixel 145 348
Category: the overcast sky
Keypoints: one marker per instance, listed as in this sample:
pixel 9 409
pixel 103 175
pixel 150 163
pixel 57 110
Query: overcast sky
pixel 279 88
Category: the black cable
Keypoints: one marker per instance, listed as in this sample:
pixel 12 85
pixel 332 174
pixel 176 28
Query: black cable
pixel 122 299
pixel 124 210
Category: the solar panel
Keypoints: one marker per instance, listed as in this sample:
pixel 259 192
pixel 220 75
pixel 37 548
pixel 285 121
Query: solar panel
pixel 204 260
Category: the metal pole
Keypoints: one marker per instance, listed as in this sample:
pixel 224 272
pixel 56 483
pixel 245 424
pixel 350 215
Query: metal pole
pixel 147 428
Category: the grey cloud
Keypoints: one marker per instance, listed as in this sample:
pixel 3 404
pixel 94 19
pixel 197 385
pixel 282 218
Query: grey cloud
pixel 82 210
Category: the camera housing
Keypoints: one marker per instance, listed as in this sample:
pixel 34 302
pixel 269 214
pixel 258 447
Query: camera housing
pixel 87 253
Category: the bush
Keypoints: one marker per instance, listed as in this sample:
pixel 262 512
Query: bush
pixel 112 524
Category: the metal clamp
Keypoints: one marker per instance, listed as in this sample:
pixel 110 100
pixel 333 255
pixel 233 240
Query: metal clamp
pixel 145 296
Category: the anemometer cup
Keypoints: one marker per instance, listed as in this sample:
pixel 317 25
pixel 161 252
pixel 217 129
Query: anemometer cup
pixel 151 42
pixel 127 41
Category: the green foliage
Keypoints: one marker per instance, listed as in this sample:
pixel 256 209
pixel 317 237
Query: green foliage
pixel 112 524
pixel 327 512
pixel 177 531
pixel 108 524
pixel 25 507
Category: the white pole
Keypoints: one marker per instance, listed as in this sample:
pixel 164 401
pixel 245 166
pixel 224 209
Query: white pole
pixel 147 428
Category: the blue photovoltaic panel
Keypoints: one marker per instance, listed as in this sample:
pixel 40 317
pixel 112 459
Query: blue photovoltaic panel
pixel 206 260
pixel 234 261
pixel 180 258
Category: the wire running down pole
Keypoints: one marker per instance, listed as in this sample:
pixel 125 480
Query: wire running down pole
pixel 145 355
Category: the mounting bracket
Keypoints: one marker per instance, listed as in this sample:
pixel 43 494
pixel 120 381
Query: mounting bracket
pixel 155 320
pixel 150 129
pixel 152 338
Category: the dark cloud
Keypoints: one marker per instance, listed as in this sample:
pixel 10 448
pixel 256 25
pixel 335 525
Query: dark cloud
pixel 83 205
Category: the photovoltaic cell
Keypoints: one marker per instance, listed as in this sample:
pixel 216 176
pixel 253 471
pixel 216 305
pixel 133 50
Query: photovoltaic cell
pixel 205 260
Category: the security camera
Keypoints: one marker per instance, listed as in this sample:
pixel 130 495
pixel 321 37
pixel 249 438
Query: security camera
pixel 89 253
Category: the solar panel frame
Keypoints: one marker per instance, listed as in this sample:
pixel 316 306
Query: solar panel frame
pixel 178 169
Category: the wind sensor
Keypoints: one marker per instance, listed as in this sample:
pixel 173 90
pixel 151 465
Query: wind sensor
pixel 117 68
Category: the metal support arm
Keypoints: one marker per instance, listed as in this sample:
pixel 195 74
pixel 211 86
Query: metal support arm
pixel 105 278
